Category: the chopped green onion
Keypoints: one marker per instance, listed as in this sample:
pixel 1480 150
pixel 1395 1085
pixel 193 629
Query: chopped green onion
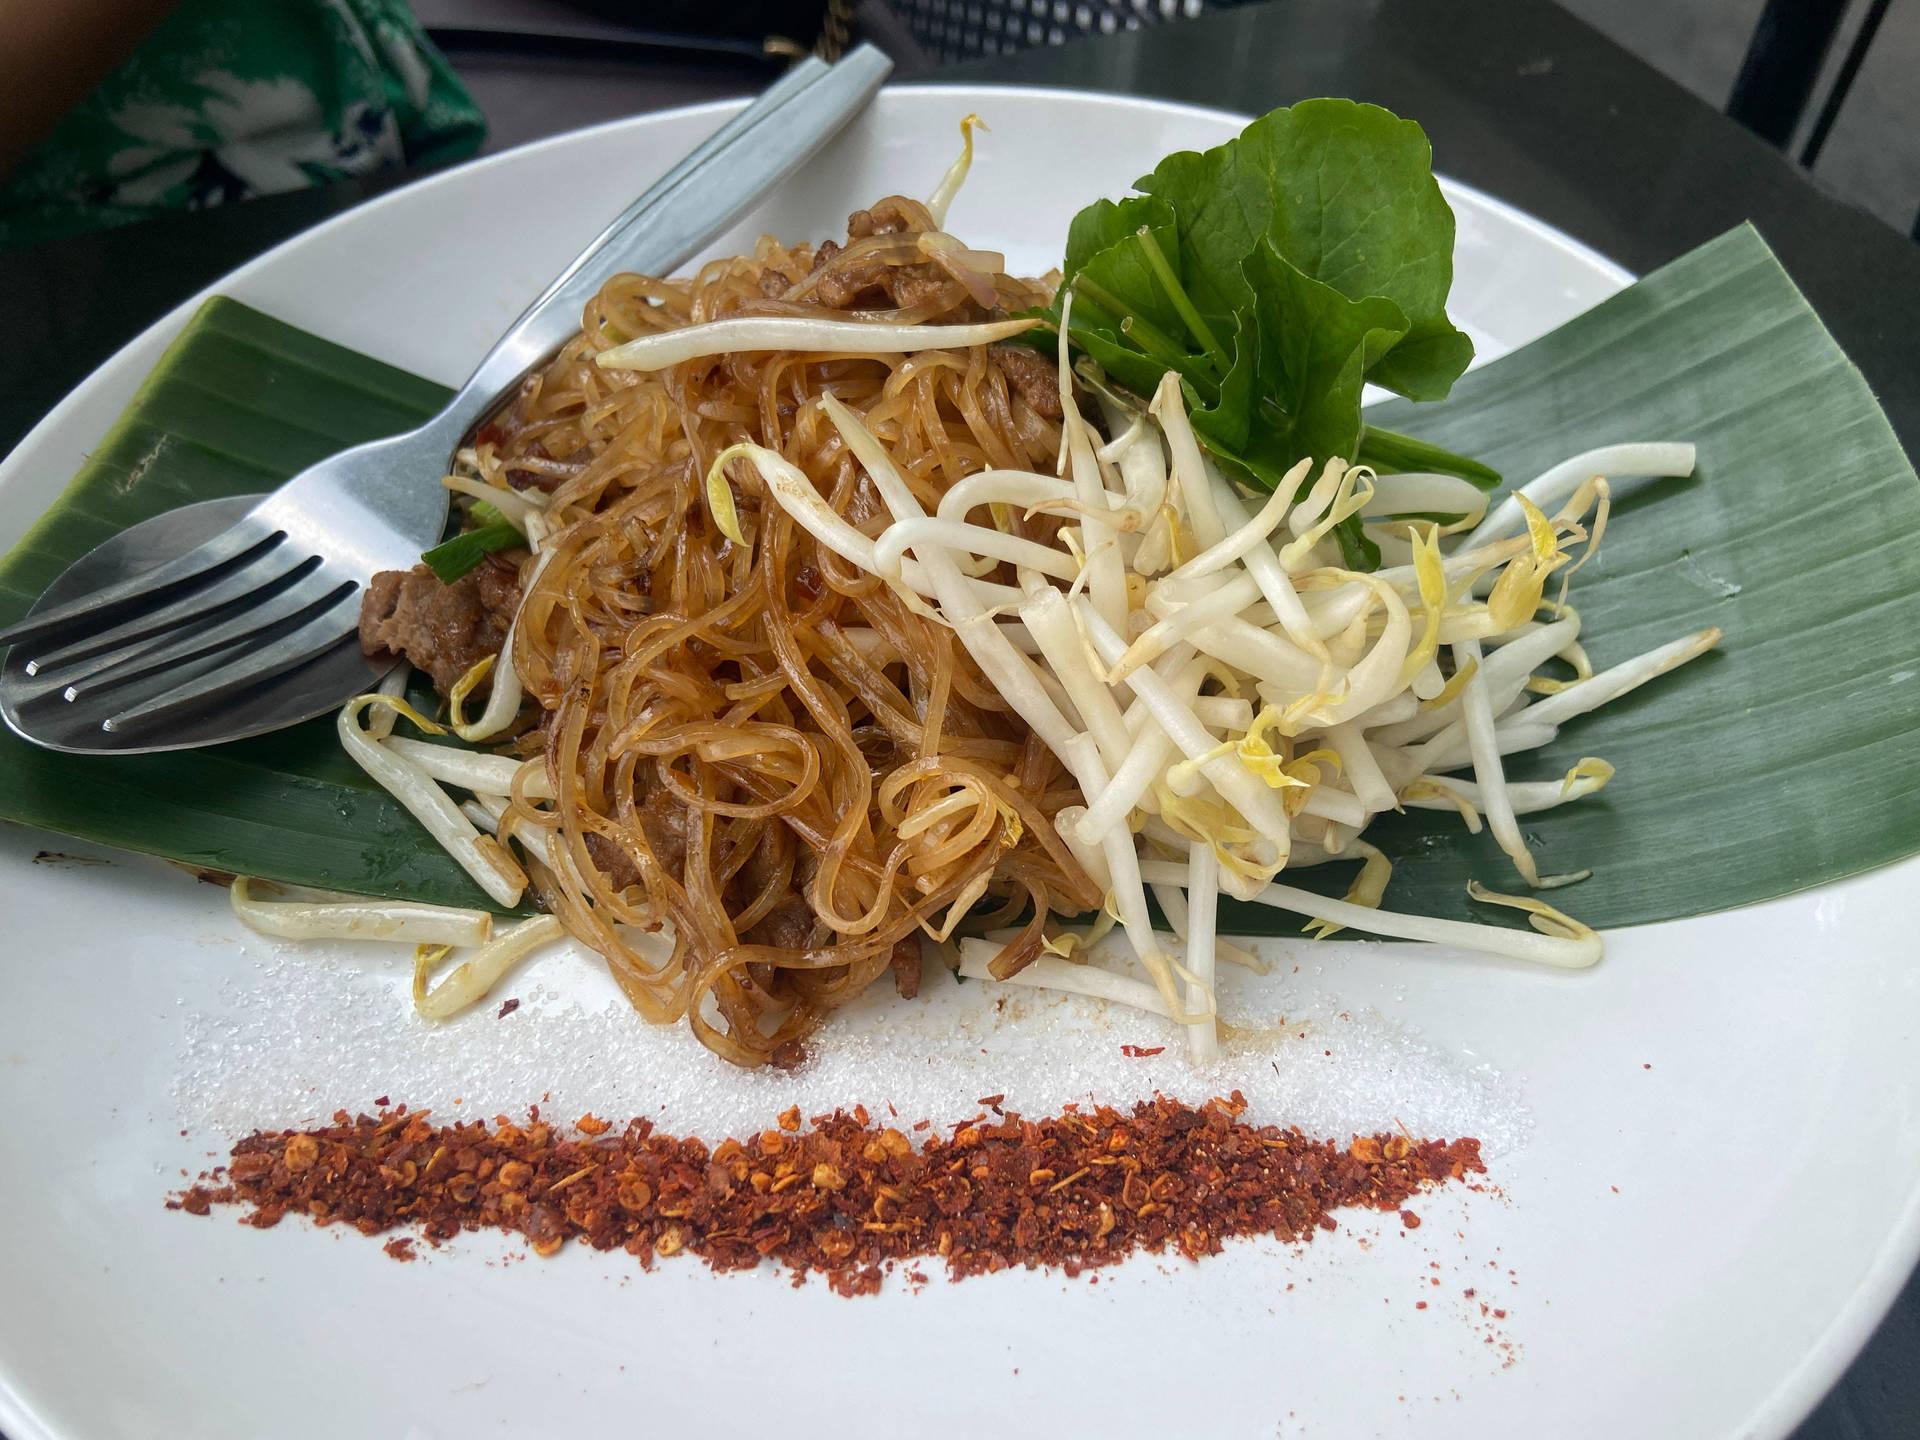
pixel 453 558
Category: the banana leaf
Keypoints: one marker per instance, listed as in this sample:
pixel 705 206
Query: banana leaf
pixel 1786 759
pixel 238 403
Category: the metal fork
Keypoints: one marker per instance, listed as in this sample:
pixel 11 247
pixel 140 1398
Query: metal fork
pixel 253 627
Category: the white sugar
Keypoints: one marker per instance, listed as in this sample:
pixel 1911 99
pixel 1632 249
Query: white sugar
pixel 302 1030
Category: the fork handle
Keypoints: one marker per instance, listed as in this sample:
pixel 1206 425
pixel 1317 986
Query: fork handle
pixel 680 214
pixel 685 210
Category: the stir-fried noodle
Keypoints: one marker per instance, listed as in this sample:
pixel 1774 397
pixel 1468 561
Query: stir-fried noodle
pixel 843 629
pixel 784 759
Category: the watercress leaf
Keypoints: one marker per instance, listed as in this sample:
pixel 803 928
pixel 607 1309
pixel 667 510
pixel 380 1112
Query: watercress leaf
pixel 1120 278
pixel 1224 420
pixel 1137 335
pixel 1425 364
pixel 1359 552
pixel 1221 207
pixel 1346 193
pixel 1137 372
pixel 1354 203
pixel 1314 344
pixel 1103 224
pixel 1290 266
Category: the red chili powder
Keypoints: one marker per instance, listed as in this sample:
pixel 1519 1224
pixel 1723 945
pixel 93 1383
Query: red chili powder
pixel 844 1198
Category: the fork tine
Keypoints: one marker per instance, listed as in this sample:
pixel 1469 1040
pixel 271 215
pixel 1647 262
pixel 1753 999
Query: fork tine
pixel 307 641
pixel 293 604
pixel 258 576
pixel 236 543
pixel 169 656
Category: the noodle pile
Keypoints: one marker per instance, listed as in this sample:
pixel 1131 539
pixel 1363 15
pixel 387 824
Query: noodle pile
pixel 845 625
pixel 780 758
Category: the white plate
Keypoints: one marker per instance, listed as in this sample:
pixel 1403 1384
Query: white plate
pixel 1715 1201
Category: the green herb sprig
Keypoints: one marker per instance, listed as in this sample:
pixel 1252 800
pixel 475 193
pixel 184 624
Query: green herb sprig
pixel 1277 275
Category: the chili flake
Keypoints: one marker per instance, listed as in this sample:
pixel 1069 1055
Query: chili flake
pixel 844 1199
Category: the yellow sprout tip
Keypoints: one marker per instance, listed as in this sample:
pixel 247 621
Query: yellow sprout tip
pixel 401 707
pixel 464 686
pixel 720 494
pixel 1542 916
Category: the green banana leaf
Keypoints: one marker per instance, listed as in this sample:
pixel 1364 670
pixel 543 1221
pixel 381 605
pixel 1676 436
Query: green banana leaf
pixel 1787 758
pixel 238 403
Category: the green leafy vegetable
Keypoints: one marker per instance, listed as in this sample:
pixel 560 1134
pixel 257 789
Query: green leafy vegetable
pixel 1277 275
pixel 451 559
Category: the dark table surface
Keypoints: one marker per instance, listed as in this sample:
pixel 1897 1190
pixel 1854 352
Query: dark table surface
pixel 1519 98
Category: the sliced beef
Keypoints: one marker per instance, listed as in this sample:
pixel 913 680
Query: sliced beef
pixel 917 284
pixel 870 283
pixel 542 470
pixel 842 288
pixel 661 818
pixel 906 966
pixel 1034 378
pixel 612 861
pixel 787 926
pixel 445 630
pixel 892 216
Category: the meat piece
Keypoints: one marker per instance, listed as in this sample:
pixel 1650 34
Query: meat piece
pixel 510 420
pixel 547 472
pixel 612 861
pixel 917 284
pixel 660 826
pixel 788 1055
pixel 891 216
pixel 660 821
pixel 542 470
pixel 870 283
pixel 445 630
pixel 906 967
pixel 842 288
pixel 498 579
pixel 1033 377
pixel 787 926
pixel 378 605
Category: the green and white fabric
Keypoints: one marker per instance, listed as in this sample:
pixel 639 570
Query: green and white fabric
pixel 228 99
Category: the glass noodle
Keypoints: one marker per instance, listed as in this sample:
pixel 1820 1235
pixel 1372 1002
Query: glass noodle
pixel 781 763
